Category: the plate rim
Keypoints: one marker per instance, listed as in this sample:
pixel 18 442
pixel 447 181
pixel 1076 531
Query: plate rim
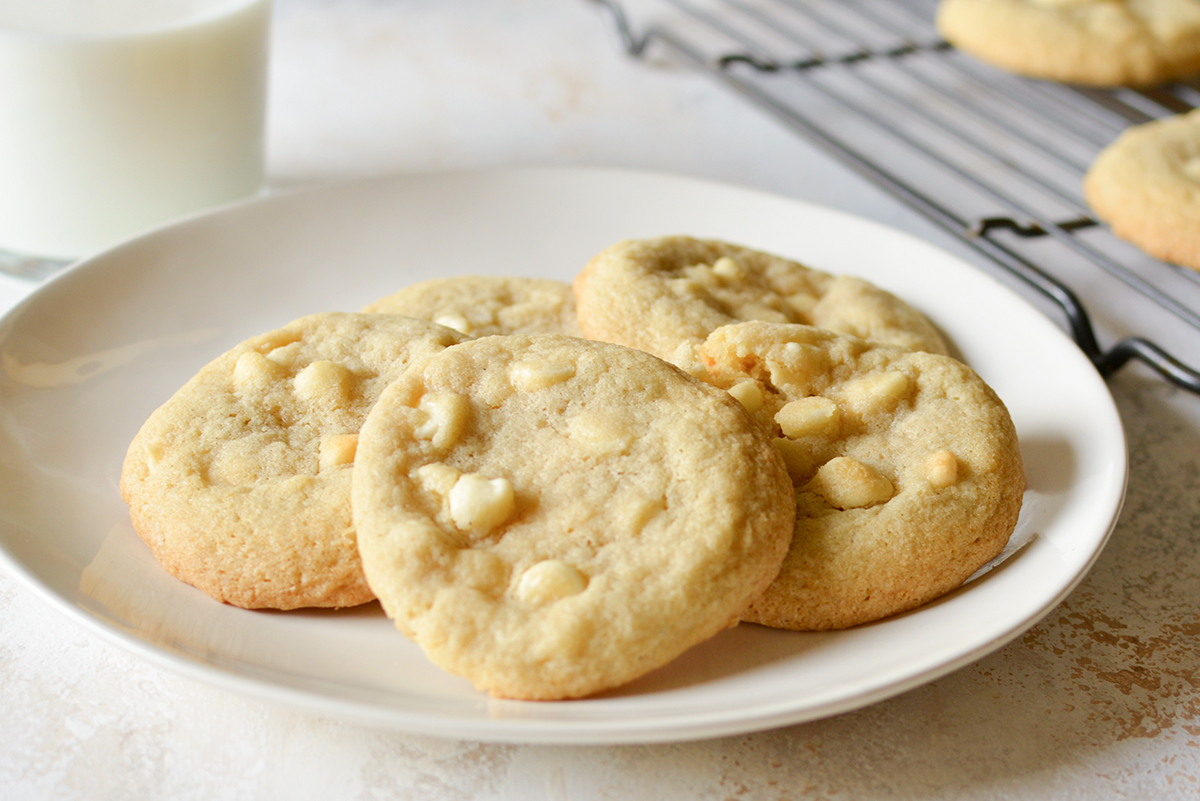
pixel 515 730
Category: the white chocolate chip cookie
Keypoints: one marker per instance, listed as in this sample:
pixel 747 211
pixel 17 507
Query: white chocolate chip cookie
pixel 665 295
pixel 1146 186
pixel 550 517
pixel 482 305
pixel 1091 42
pixel 240 483
pixel 906 469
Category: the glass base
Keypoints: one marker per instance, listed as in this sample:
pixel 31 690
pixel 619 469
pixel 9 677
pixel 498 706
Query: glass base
pixel 28 266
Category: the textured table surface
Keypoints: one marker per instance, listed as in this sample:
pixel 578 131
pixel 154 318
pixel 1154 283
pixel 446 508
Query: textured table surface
pixel 1099 700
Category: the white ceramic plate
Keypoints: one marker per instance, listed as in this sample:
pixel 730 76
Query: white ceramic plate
pixel 86 358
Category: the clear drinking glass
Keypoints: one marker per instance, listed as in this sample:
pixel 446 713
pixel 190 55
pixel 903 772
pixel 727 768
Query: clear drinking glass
pixel 116 115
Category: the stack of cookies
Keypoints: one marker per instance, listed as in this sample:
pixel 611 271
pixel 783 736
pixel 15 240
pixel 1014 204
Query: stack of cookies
pixel 554 489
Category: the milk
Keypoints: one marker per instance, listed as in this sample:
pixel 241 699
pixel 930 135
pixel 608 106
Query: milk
pixel 116 115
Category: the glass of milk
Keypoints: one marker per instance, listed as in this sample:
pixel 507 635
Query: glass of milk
pixel 116 115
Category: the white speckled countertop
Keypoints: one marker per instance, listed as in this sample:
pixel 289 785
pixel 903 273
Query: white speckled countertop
pixel 1100 700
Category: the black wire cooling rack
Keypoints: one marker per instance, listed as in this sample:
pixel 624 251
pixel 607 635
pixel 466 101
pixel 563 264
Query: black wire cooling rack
pixel 994 159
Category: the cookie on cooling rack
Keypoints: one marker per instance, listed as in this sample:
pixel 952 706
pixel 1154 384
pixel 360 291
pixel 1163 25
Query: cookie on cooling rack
pixel 550 517
pixel 907 473
pixel 1146 186
pixel 666 295
pixel 240 482
pixel 1091 42
pixel 482 305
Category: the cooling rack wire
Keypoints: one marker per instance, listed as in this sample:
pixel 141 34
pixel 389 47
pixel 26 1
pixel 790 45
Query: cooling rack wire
pixel 994 159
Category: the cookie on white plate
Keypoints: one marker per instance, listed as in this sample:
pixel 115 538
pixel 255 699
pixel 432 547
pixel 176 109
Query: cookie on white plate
pixel 240 482
pixel 666 295
pixel 907 470
pixel 551 517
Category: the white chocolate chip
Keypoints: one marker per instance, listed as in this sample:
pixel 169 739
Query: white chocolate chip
pixel 794 364
pixel 749 394
pixel 530 376
pixel 322 379
pixel 941 469
pixel 876 393
pixel 436 478
pixel 253 370
pixel 441 418
pixel 849 484
pixel 548 581
pixel 456 321
pixel 600 432
pixel 480 504
pixel 338 450
pixel 812 415
pixel 727 268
